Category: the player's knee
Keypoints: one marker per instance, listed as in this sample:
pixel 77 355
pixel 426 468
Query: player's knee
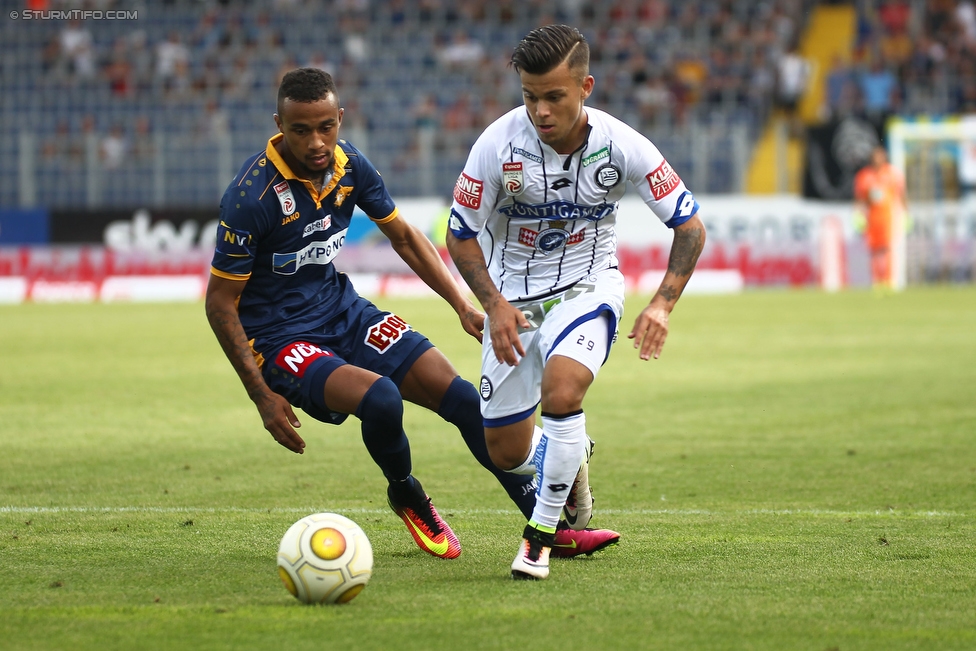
pixel 562 398
pixel 382 404
pixel 506 452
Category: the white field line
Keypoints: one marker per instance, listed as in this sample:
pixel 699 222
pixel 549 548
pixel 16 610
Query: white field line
pixel 887 513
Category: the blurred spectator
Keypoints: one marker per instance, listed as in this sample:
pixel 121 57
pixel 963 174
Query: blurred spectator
pixel 214 124
pixel 839 79
pixel 239 82
pixel 171 54
pixel 793 73
pixel 878 86
pixel 318 60
pixel 114 148
pixel 76 45
pixel 654 100
pixel 118 70
pixel 143 142
pixel 461 52
pixel 966 18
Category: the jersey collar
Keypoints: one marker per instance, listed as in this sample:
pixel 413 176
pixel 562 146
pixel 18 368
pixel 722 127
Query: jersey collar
pixel 339 160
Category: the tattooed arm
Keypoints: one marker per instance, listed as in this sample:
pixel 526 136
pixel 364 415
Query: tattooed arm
pixel 504 320
pixel 277 414
pixel 651 327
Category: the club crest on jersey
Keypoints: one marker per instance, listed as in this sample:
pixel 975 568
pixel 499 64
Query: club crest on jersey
pixel 386 333
pixel 550 239
pixel 662 180
pixel 467 191
pixel 341 193
pixel 512 179
pixel 607 176
pixel 285 197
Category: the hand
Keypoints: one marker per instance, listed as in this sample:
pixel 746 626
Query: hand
pixel 280 420
pixel 504 321
pixel 650 330
pixel 473 321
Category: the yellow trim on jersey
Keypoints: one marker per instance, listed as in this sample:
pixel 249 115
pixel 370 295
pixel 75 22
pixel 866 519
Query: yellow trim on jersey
pixel 393 215
pixel 244 175
pixel 268 186
pixel 258 357
pixel 228 276
pixel 339 160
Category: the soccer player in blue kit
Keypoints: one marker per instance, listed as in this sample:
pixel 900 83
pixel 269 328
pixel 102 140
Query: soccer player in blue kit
pixel 298 334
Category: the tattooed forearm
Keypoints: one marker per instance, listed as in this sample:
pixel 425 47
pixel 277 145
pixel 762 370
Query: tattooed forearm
pixel 230 334
pixel 685 249
pixel 470 263
pixel 689 240
pixel 669 293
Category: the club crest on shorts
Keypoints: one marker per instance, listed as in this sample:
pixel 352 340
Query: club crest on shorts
pixel 285 197
pixel 607 176
pixel 485 388
pixel 512 179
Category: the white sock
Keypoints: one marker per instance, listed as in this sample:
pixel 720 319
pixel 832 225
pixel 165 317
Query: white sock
pixel 557 461
pixel 527 467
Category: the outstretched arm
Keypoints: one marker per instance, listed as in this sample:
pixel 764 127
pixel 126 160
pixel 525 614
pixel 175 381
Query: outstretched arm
pixel 278 416
pixel 651 327
pixel 421 256
pixel 504 319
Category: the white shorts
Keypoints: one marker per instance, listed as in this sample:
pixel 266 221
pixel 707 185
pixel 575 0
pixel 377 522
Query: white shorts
pixel 579 323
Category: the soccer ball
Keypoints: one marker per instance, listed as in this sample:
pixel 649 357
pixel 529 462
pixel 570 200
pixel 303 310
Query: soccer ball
pixel 325 558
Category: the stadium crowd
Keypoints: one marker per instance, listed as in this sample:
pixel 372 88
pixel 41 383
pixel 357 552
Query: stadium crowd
pixel 414 69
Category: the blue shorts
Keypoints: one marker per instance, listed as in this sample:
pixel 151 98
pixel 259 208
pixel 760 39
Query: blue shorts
pixel 363 336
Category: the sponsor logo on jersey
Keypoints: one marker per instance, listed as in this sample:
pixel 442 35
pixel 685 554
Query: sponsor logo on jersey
pixel 607 176
pixel 285 197
pixel 485 389
pixel 386 333
pixel 467 191
pixel 565 210
pixel 559 184
pixel 287 264
pixel 298 356
pixel 549 240
pixel 341 193
pixel 596 156
pixel 232 242
pixel 287 220
pixel 662 180
pixel 685 207
pixel 317 226
pixel 512 179
pixel 535 158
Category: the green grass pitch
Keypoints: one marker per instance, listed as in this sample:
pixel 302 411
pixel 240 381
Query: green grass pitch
pixel 798 471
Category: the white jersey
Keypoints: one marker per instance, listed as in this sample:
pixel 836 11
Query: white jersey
pixel 546 220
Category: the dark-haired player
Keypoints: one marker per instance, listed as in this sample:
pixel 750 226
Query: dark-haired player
pixel 538 200
pixel 296 331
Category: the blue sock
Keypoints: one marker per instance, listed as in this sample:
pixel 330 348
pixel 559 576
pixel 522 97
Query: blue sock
pixel 461 406
pixel 381 413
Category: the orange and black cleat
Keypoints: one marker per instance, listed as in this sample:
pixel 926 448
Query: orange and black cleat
pixel 429 531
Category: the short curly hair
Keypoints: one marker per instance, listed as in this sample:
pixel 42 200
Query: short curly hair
pixel 305 85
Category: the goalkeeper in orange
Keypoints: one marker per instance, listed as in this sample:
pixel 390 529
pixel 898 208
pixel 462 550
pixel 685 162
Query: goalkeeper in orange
pixel 879 190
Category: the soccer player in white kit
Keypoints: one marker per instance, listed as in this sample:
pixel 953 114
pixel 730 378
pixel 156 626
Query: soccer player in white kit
pixel 532 233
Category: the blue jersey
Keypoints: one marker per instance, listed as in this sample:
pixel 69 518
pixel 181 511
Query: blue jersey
pixel 281 236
